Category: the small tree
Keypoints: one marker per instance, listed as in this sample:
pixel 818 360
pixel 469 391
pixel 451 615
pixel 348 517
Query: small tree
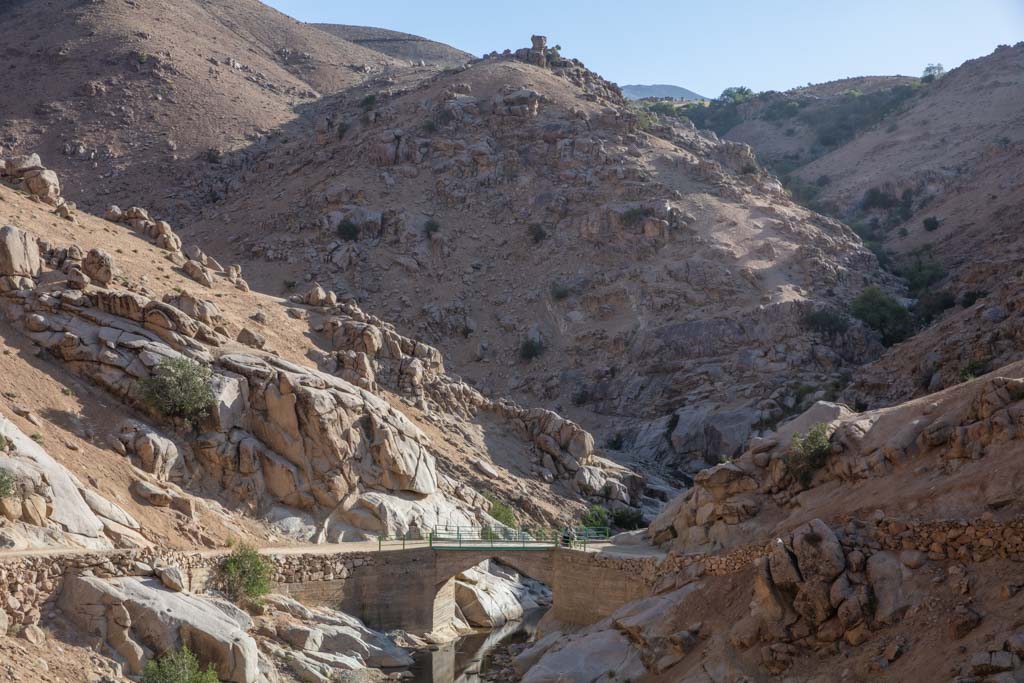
pixel 177 666
pixel 807 453
pixel 736 94
pixel 931 223
pixel 933 71
pixel 246 574
pixel 884 314
pixel 179 387
pixel 6 483
pixel 431 226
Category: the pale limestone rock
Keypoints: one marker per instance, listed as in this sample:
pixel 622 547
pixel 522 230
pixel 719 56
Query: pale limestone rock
pixel 19 253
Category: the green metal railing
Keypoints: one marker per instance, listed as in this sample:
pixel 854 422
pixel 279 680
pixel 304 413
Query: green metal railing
pixel 473 538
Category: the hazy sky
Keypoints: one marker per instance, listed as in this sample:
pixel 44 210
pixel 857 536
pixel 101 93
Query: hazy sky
pixel 706 45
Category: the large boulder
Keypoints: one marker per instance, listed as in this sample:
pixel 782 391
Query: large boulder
pixel 163 620
pixel 43 183
pixel 99 266
pixel 19 253
pixel 885 575
pixel 818 552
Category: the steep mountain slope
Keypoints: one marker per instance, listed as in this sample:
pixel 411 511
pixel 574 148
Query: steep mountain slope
pixel 400 45
pixel 638 92
pixel 557 247
pixel 117 95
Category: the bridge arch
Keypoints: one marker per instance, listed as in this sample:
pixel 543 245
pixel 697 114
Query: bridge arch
pixel 536 564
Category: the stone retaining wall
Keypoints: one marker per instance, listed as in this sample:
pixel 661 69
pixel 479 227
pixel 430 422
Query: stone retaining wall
pixel 400 587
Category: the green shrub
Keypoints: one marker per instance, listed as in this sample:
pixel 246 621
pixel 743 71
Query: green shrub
pixel 922 273
pixel 368 102
pixel 501 511
pixel 530 349
pixel 883 314
pixel 807 453
pixel 634 216
pixel 876 198
pixel 596 516
pixel 827 321
pixel 177 666
pixel 430 126
pixel 246 574
pixel 179 387
pixel 537 233
pixel 931 224
pixel 628 518
pixel 431 226
pixel 971 296
pixel 931 304
pixel 348 231
pixel 6 483
pixel 975 368
pixel 560 291
pixel 616 441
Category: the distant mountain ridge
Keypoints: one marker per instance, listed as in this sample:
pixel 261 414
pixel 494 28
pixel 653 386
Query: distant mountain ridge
pixel 399 45
pixel 638 92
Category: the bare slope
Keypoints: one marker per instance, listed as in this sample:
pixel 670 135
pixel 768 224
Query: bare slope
pixel 115 95
pixel 954 153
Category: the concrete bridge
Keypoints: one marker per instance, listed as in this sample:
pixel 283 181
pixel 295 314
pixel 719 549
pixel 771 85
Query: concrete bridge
pixel 414 589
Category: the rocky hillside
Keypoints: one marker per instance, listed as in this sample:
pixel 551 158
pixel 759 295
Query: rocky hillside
pixel 883 545
pixel 632 272
pixel 364 446
pixel 117 95
pixel 405 46
pixel 951 156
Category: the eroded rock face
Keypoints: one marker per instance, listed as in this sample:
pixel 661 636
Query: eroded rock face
pixel 138 618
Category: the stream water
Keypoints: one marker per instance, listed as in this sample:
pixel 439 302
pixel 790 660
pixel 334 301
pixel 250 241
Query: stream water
pixel 464 660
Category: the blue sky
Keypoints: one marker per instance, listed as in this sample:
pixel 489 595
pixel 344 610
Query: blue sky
pixel 708 45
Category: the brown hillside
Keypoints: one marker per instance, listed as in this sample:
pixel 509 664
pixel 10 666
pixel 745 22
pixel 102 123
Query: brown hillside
pixel 117 95
pixel 513 204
